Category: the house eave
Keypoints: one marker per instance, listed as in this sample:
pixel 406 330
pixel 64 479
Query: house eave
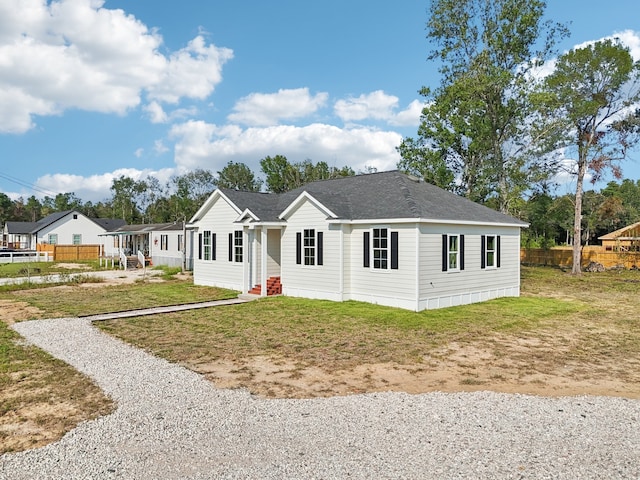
pixel 367 221
pixel 306 196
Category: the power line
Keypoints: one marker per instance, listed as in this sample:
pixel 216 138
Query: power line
pixel 24 183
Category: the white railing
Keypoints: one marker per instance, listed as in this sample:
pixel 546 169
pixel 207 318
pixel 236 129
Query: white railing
pixel 123 260
pixel 22 256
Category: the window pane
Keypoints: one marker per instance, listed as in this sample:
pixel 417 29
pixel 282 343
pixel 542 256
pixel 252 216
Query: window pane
pixel 237 242
pixel 309 246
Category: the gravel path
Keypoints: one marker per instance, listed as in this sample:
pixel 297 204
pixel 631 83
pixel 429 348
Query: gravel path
pixel 172 424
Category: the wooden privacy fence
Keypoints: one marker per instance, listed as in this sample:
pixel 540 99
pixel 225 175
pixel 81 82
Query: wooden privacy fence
pixel 563 257
pixel 71 253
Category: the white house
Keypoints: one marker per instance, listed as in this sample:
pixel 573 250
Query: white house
pixel 162 243
pixel 384 238
pixel 61 228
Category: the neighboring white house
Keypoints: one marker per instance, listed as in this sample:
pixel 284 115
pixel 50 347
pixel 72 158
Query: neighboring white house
pixel 384 238
pixel 162 243
pixel 61 228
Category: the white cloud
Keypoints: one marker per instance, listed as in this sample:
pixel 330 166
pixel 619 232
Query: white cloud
pixel 410 117
pixel 204 145
pixel 159 147
pixel 139 152
pixel 266 109
pixel 76 54
pixel 156 113
pixel 378 106
pixel 96 188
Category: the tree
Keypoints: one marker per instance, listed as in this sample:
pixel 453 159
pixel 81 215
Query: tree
pixel 190 192
pixel 473 137
pixel 125 192
pixel 282 176
pixel 279 174
pixel 238 176
pixel 587 103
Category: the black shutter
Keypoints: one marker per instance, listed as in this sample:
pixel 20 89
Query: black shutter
pixel 394 250
pixel 483 251
pixel 199 246
pixel 298 248
pixel 498 251
pixel 319 247
pixel 231 247
pixel 461 252
pixel 445 257
pixel 365 249
pixel 213 246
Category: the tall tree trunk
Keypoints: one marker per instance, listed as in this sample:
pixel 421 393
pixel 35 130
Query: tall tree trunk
pixel 577 219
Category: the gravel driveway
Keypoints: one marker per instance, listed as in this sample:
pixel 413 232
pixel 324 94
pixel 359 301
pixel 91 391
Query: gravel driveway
pixel 172 424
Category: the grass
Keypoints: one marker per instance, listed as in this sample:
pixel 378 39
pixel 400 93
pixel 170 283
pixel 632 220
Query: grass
pixel 15 270
pixel 563 331
pixel 41 395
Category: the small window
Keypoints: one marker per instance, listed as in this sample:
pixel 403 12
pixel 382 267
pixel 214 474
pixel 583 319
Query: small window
pixel 237 246
pixel 309 239
pixel 77 239
pixel 490 251
pixel 380 248
pixel 452 253
pixel 180 240
pixel 53 238
pixel 206 245
pixel 164 242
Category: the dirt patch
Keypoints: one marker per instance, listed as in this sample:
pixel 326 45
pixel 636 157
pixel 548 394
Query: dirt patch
pixel 74 266
pixel 454 369
pixel 13 311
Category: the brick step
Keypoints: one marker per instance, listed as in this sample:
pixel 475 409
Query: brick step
pixel 274 287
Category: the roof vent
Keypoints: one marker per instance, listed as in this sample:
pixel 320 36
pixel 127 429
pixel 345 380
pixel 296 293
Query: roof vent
pixel 413 178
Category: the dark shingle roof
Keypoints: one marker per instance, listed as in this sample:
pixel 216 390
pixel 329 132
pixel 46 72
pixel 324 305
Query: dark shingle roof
pixel 147 227
pixel 17 228
pixel 265 205
pixel 376 196
pixel 109 224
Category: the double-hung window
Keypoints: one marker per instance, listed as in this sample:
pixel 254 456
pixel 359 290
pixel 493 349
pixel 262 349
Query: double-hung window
pixel 490 251
pixel 309 238
pixel 309 247
pixel 380 249
pixel 164 242
pixel 452 253
pixel 235 246
pixel 206 245
pixel 77 239
pixel 53 238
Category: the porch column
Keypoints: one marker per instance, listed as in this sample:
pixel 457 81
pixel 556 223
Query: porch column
pixel 263 263
pixel 246 251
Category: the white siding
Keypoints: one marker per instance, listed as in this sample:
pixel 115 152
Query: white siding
pixel 383 286
pixel 67 226
pixel 318 281
pixel 273 253
pixel 220 272
pixel 172 256
pixel 473 284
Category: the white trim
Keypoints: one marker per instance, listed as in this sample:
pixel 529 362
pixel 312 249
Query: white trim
pixel 206 206
pixel 308 197
pixel 423 220
pixel 263 264
pixel 457 267
pixel 247 213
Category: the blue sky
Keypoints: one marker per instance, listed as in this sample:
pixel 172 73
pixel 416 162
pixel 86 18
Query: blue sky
pixel 91 90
